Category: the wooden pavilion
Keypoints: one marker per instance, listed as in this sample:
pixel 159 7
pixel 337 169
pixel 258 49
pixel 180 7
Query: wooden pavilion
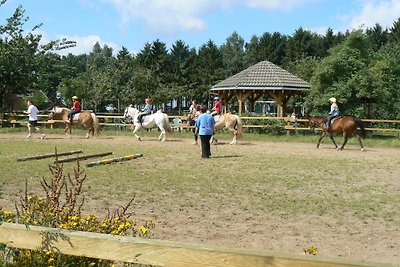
pixel 257 80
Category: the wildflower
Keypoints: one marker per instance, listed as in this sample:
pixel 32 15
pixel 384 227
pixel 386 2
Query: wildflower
pixel 144 229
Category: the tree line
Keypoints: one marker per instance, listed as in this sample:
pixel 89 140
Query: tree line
pixel 360 68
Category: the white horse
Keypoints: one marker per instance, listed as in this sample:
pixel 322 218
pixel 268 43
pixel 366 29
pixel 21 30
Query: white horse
pixel 158 119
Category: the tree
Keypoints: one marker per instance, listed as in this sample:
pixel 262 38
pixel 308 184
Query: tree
pixel 233 54
pixel 384 77
pixel 17 58
pixel 394 32
pixel 209 68
pixel 20 58
pixel 341 75
pixel 377 36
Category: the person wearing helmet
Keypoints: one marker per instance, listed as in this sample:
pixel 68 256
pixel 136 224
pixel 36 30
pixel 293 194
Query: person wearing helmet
pixel 147 110
pixel 334 112
pixel 216 110
pixel 76 108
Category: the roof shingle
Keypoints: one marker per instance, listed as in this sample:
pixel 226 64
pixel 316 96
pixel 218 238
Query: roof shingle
pixel 263 75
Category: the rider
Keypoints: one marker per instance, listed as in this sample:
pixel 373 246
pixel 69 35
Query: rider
pixel 334 112
pixel 76 108
pixel 147 110
pixel 216 110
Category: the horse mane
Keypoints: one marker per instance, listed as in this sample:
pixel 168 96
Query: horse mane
pixel 60 109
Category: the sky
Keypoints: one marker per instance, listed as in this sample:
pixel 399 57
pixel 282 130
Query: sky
pixel 133 23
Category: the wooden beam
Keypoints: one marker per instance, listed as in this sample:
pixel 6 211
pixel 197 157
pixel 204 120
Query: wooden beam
pixel 153 252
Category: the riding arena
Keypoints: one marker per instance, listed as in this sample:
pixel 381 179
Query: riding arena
pixel 265 193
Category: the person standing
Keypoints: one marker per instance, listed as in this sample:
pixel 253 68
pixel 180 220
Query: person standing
pixel 204 127
pixel 76 108
pixel 194 113
pixel 334 112
pixel 32 120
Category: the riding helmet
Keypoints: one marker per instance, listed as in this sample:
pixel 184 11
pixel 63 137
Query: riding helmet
pixel 332 99
pixel 74 97
pixel 216 98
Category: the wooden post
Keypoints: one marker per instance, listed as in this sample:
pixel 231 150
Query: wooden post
pixel 83 157
pixel 108 161
pixel 50 155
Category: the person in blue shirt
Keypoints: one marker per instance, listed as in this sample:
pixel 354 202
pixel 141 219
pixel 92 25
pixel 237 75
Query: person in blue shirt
pixel 204 127
pixel 147 110
pixel 334 112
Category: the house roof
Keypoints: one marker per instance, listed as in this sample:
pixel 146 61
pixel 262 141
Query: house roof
pixel 262 76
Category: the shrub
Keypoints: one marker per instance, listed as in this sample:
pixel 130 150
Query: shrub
pixel 60 207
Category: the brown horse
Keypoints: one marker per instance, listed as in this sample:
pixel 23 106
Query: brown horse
pixel 233 123
pixel 86 118
pixel 342 125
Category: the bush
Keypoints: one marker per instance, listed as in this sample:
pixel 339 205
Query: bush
pixel 60 207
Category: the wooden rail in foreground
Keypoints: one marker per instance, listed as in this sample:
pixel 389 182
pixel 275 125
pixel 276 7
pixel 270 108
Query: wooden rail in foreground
pixel 154 252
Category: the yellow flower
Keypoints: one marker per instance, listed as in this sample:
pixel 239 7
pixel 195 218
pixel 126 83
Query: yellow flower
pixel 6 212
pixel 144 229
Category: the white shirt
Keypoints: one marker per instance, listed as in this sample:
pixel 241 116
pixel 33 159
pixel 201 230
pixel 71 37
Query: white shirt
pixel 33 112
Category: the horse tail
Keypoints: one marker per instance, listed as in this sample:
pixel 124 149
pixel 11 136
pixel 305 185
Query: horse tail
pixel 96 124
pixel 239 127
pixel 360 125
pixel 168 127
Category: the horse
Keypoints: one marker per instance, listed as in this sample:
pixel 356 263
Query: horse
pixel 158 119
pixel 86 118
pixel 342 125
pixel 230 121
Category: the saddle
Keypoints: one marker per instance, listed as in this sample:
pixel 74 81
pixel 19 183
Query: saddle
pixel 144 118
pixel 216 117
pixel 76 116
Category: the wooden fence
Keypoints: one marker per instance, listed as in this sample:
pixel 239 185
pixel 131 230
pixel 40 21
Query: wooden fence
pixel 155 252
pixel 118 121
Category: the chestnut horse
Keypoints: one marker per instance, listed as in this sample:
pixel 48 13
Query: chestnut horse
pixel 232 122
pixel 86 118
pixel 341 125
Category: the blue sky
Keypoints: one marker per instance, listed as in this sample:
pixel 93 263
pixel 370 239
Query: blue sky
pixel 132 23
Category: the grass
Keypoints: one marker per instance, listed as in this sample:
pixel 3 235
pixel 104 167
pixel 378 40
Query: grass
pixel 282 184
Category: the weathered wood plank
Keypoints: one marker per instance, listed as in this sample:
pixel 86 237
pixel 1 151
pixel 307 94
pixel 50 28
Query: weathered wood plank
pixel 154 252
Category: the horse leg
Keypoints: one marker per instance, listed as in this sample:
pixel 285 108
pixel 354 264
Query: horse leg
pixel 233 142
pixel 345 139
pixel 162 135
pixel 67 130
pixel 88 130
pixel 320 139
pixel 137 127
pixel 355 134
pixel 333 141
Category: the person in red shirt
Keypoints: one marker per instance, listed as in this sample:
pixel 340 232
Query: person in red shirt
pixel 216 110
pixel 76 108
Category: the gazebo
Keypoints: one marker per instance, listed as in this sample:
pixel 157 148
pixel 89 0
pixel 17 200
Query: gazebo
pixel 257 80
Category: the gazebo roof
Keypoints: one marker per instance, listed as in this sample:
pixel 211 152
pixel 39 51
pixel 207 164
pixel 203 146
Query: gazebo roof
pixel 262 76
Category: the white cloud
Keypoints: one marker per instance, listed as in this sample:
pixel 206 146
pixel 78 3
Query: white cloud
pixel 277 4
pixel 383 12
pixel 171 16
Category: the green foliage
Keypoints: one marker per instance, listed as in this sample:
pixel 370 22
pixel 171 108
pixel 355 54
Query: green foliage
pixel 61 207
pixel 340 75
pixel 348 66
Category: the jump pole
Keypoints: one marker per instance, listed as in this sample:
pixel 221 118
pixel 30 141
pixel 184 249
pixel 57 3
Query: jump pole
pixel 50 155
pixel 83 157
pixel 108 161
